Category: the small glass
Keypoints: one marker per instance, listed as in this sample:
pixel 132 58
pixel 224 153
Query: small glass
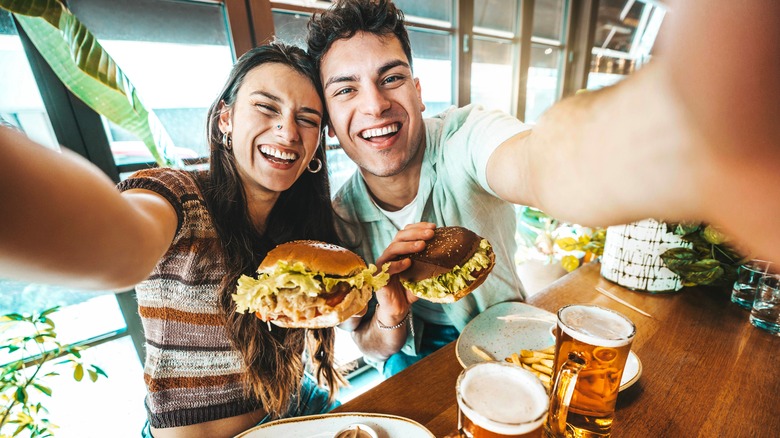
pixel 748 276
pixel 766 306
pixel 500 400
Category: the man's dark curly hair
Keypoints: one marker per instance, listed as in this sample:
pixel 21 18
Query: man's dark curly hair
pixel 345 18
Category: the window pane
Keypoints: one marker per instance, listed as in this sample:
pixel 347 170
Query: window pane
pixel 20 101
pixel 548 19
pixel 431 52
pixel 617 24
pixel 177 66
pixel 496 14
pixel 291 27
pixel 435 9
pixel 543 80
pixel 491 74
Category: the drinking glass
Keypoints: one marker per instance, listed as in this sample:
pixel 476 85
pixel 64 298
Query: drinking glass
pixel 748 276
pixel 500 400
pixel 590 353
pixel 766 306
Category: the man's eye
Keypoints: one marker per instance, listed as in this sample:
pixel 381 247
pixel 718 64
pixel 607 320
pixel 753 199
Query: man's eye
pixel 391 79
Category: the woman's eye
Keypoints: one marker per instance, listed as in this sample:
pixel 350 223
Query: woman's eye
pixel 266 108
pixel 310 123
pixel 343 91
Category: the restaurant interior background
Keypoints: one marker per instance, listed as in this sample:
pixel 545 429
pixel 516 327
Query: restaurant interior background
pixel 515 55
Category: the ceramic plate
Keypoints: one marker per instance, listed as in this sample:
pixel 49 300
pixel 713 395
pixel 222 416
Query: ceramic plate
pixel 507 328
pixel 327 425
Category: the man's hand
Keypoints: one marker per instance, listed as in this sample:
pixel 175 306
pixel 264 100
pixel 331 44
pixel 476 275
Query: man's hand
pixel 393 301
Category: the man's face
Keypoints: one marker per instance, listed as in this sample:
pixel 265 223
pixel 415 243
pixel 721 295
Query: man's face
pixel 374 102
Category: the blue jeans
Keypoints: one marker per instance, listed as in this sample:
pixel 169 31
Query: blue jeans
pixel 434 336
pixel 313 400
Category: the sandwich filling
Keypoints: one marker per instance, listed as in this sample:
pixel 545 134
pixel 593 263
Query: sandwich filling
pixel 459 278
pixel 291 290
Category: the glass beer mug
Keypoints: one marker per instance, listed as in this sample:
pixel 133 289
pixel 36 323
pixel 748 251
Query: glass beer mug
pixel 500 400
pixel 590 353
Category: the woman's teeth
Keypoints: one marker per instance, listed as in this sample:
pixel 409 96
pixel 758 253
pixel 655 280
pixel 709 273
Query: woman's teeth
pixel 277 154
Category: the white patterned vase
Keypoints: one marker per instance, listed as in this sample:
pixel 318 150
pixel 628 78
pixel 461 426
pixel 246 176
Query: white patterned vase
pixel 632 256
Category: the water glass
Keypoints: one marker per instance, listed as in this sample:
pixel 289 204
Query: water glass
pixel 748 276
pixel 766 306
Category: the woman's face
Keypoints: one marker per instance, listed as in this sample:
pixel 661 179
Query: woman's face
pixel 275 125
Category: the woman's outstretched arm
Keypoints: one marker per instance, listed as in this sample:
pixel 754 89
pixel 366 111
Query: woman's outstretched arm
pixel 63 221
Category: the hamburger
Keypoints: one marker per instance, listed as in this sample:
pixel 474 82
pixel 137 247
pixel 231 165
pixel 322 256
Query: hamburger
pixel 454 262
pixel 308 284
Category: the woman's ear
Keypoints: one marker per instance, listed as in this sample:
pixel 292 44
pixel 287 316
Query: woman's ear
pixel 225 121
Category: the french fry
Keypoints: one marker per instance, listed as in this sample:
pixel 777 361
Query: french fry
pixel 482 353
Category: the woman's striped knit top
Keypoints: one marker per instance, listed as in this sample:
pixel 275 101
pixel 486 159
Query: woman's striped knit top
pixel 192 372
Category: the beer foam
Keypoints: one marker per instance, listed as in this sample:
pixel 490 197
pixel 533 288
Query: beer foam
pixel 502 398
pixel 596 325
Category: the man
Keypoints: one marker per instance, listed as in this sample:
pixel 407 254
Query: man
pixel 645 148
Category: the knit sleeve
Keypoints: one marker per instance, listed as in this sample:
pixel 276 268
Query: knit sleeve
pixel 172 184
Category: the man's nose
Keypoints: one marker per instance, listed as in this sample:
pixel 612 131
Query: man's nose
pixel 374 102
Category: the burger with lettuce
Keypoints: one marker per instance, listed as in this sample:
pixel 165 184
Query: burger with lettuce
pixel 454 262
pixel 308 284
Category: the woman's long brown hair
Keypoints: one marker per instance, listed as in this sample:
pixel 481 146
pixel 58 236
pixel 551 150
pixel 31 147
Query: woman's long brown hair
pixel 273 357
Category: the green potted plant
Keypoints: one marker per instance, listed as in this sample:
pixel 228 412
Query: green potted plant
pixel 30 342
pixel 709 261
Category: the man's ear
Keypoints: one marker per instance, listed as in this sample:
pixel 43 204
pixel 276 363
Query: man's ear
pixel 331 131
pixel 419 93
pixel 225 123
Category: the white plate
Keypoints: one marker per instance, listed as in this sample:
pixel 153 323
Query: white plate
pixel 327 425
pixel 527 328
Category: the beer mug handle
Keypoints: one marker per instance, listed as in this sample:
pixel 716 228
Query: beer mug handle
pixel 562 392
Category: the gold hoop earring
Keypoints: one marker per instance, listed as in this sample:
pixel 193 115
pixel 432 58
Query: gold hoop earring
pixel 319 165
pixel 227 140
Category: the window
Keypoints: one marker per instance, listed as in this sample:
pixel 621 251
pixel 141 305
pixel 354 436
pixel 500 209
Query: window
pixel 545 71
pixel 625 34
pixel 495 52
pixel 177 66
pixel 20 101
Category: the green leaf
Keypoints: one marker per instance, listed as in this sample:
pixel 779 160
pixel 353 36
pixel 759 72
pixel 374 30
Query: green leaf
pixel 49 311
pixel 21 395
pixel 44 389
pixel 78 372
pixel 99 370
pixel 89 72
pixel 92 375
pixel 567 243
pixel 677 257
pixel 13 316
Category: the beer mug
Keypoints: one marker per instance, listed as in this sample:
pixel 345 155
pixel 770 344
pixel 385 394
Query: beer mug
pixel 497 400
pixel 590 353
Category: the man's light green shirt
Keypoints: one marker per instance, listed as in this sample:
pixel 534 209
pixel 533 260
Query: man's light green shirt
pixel 453 190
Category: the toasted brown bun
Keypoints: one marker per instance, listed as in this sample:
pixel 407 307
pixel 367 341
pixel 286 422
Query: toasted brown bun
pixel 480 278
pixel 449 247
pixel 316 256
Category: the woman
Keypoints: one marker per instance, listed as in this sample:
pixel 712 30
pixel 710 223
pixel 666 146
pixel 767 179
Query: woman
pixel 209 370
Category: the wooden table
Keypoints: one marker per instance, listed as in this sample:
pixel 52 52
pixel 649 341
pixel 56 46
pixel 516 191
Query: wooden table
pixel 707 371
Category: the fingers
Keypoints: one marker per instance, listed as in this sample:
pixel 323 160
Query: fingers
pixel 407 241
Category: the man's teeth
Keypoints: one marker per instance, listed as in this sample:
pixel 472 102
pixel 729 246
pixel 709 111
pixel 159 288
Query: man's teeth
pixel 389 129
pixel 289 156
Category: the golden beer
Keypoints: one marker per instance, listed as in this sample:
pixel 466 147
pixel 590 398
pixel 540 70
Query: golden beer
pixel 591 350
pixel 500 400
